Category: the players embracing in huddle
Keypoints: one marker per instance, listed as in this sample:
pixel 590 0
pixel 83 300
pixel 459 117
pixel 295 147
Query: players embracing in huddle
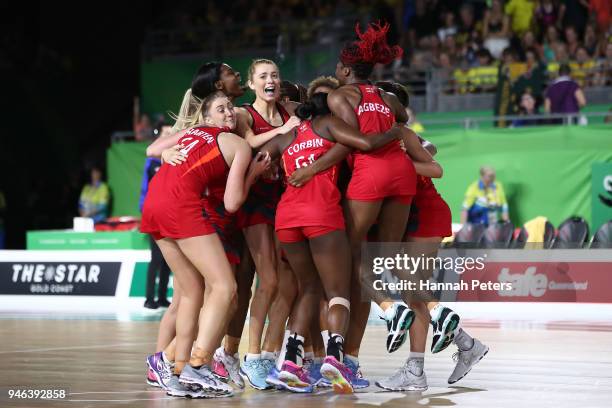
pixel 290 191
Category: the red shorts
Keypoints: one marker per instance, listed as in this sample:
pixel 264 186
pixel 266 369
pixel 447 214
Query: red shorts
pixel 376 179
pixel 430 216
pixel 260 205
pixel 174 220
pixel 225 226
pixel 298 234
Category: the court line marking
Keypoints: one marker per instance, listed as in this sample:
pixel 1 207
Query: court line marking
pixel 125 400
pixel 114 392
pixel 75 347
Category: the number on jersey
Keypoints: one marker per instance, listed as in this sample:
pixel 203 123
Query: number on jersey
pixel 301 161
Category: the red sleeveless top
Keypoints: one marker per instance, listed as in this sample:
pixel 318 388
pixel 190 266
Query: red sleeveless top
pixel 317 203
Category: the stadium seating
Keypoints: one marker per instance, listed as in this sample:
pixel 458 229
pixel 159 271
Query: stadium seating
pixel 572 233
pixel 469 236
pixel 520 239
pixel 603 236
pixel 498 235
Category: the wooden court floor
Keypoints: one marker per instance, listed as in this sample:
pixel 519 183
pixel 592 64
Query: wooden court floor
pixel 101 362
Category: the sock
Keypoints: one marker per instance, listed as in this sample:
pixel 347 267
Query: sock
pixel 435 311
pixel 251 357
pixel 413 354
pixel 165 359
pixel 335 346
pixel 463 340
pixel 283 351
pixel 309 355
pixel 415 364
pixel 318 360
pixel 390 312
pixel 325 336
pixel 295 349
pixel 268 355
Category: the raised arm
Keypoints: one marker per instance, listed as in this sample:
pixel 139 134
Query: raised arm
pixel 165 141
pixel 335 155
pixel 275 147
pixel 243 171
pixel 351 137
pixel 255 141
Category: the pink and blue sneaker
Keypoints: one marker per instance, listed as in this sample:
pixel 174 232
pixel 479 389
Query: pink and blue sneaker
pixel 337 374
pixel 159 370
pixel 294 378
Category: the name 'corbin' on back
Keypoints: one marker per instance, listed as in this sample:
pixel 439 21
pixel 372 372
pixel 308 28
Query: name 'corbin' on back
pixel 305 145
pixel 374 107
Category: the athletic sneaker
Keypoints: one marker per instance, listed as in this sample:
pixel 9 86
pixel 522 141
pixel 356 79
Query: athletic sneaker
pixel 337 374
pixel 294 378
pixel 203 379
pixel 158 368
pixel 151 379
pixel 399 318
pixel 406 378
pixel 466 360
pixel 314 374
pixel 176 389
pixel 272 378
pixel 231 365
pixel 356 378
pixel 255 372
pixel 444 324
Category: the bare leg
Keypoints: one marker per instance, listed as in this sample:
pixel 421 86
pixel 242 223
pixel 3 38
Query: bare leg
pixel 191 299
pixel 260 240
pixel 207 255
pixel 167 326
pixel 359 216
pixel 244 279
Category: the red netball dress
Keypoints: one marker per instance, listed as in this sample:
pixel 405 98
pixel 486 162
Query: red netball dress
pixel 260 205
pixel 174 204
pixel 385 172
pixel 430 216
pixel 313 209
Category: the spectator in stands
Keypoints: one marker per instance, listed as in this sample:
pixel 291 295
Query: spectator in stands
pixel 571 39
pixel 583 69
pixel 484 76
pixel 528 41
pixel 495 29
pixel 485 200
pixel 603 13
pixel 95 197
pixel 533 79
pixel 547 14
pixel 468 32
pixel 461 77
pixel 527 107
pixel 157 264
pixel 590 40
pixel 574 13
pixel 521 15
pixel 449 28
pixel 143 129
pixel 603 75
pixel 551 40
pixel 421 25
pixel 564 95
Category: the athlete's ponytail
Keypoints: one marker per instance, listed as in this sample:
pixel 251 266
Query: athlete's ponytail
pixel 202 86
pixel 316 106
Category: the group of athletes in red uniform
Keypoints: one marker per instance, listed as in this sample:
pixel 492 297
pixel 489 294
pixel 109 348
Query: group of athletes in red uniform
pixel 221 212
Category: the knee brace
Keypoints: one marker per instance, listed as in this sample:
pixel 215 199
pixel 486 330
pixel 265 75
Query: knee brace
pixel 340 301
